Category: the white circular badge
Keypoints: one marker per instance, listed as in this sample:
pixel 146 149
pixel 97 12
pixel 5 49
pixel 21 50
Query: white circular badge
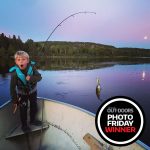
pixel 120 121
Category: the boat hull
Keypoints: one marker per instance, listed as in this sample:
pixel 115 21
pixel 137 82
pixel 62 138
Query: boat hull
pixel 67 127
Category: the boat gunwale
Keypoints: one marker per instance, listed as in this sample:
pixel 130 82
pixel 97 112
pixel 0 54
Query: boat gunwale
pixel 78 108
pixel 47 99
pixel 70 105
pixel 5 104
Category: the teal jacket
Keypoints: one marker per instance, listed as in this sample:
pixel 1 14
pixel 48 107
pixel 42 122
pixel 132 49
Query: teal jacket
pixel 20 74
pixel 19 85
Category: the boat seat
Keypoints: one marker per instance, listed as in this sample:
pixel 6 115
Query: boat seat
pixel 94 143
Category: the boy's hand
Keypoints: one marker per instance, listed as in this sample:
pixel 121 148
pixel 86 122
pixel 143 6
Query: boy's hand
pixel 14 108
pixel 27 77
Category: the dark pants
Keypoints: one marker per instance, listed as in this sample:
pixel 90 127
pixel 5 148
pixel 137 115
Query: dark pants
pixel 24 106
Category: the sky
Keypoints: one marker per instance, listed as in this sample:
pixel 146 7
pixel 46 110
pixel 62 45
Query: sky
pixel 121 23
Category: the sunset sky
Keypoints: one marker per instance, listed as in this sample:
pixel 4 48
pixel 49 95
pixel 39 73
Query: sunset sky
pixel 121 23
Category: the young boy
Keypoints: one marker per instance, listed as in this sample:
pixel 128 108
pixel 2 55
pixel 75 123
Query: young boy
pixel 23 87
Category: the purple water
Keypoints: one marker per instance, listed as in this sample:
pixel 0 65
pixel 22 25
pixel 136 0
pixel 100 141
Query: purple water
pixel 78 87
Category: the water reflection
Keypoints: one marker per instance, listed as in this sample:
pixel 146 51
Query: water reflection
pixel 73 63
pixel 143 75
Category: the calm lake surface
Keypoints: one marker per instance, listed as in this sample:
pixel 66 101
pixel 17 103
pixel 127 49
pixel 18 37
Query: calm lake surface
pixel 78 87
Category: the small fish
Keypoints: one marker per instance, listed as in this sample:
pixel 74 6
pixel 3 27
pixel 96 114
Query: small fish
pixel 98 88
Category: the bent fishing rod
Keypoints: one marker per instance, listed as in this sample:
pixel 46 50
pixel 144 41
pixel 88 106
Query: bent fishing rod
pixel 72 15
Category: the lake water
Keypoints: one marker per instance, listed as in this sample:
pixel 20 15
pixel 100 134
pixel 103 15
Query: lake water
pixel 78 87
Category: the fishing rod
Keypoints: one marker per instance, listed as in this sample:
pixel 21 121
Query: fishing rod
pixel 72 15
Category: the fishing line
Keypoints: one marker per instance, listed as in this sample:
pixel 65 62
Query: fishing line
pixel 72 15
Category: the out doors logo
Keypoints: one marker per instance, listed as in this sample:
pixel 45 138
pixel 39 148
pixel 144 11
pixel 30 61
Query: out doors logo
pixel 120 121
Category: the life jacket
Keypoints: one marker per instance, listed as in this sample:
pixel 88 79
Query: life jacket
pixel 19 73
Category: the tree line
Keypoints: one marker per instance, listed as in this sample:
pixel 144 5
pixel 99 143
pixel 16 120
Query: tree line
pixel 9 45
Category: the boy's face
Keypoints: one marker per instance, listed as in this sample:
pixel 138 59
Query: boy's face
pixel 22 62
